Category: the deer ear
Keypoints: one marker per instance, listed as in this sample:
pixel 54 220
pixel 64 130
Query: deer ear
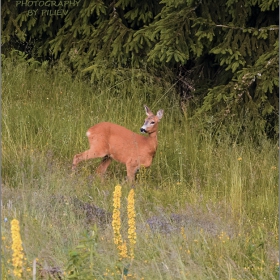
pixel 160 114
pixel 148 111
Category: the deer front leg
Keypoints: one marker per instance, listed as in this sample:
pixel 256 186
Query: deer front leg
pixel 131 171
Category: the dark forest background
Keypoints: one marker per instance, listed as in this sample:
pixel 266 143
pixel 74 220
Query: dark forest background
pixel 222 56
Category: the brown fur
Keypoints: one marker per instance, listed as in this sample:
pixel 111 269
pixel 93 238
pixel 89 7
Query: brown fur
pixel 111 141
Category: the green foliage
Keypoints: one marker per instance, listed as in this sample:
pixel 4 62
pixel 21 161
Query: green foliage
pixel 214 51
pixel 81 263
pixel 131 33
pixel 244 97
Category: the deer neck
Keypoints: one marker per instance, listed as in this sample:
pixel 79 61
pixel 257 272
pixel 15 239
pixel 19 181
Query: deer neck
pixel 152 138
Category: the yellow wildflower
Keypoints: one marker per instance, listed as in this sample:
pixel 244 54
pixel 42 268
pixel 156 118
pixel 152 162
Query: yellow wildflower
pixel 117 197
pixel 17 248
pixel 116 222
pixel 131 222
pixel 123 250
pixel 183 233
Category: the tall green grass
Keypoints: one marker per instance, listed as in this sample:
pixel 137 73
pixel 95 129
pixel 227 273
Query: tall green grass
pixel 206 209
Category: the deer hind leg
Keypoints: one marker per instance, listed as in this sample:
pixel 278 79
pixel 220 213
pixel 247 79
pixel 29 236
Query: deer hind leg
pixel 97 150
pixel 101 169
pixel 83 156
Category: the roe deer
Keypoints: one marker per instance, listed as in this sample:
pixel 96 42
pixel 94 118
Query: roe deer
pixel 111 141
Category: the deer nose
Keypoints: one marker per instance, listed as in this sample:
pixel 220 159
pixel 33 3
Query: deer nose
pixel 143 130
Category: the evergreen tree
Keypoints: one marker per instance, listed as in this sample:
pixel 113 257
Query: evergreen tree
pixel 223 54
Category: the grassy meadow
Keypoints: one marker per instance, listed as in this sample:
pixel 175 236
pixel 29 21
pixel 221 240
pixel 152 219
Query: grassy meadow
pixel 207 208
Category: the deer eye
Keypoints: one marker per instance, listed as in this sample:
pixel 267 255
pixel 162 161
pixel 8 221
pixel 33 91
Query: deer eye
pixel 152 122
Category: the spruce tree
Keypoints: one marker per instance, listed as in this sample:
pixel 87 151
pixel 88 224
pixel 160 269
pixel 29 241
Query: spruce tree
pixel 223 55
